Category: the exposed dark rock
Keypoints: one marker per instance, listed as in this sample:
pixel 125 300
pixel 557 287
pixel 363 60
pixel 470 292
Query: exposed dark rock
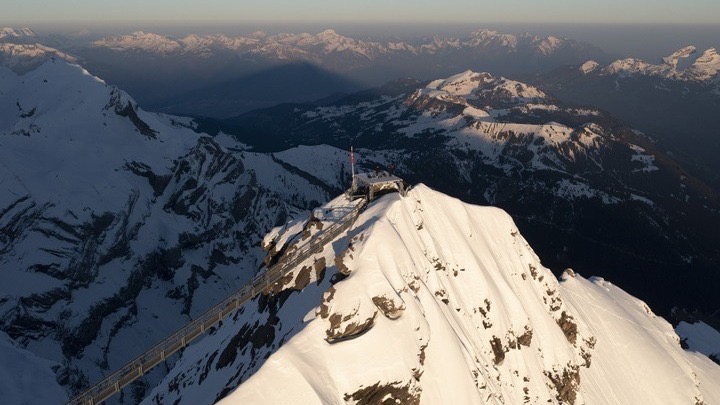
pixel 421 355
pixel 341 329
pixel 164 262
pixel 280 285
pixel 28 114
pixel 129 111
pixel 257 336
pixel 324 308
pixel 498 350
pixel 586 356
pixel 340 264
pixel 71 377
pixel 157 182
pixel 337 277
pixel 320 266
pixel 526 338
pixel 566 384
pixel 389 307
pixel 303 278
pixel 387 394
pixel 568 327
pixel 533 271
pixel 443 295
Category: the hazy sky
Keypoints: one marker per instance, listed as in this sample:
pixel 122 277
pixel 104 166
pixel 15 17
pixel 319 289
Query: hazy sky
pixel 535 11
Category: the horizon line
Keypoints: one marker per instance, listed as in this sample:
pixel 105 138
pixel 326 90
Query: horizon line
pixel 25 23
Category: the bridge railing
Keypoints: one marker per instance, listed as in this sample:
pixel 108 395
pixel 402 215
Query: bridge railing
pixel 135 369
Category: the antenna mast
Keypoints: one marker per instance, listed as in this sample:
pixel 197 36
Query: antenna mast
pixel 352 167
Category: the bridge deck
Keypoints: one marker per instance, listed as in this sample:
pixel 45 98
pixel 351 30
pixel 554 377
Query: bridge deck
pixel 135 369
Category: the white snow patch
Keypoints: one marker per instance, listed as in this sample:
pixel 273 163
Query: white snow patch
pixel 701 337
pixel 589 67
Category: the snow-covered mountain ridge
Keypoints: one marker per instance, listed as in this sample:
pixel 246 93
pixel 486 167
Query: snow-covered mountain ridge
pixel 572 171
pixel 430 300
pixel 221 75
pixel 681 66
pixel 675 100
pixel 305 45
pixel 118 225
pixel 13 34
pixel 22 58
pixel 21 50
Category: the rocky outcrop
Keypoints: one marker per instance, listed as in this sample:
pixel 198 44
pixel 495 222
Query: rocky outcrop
pixel 568 327
pixel 173 232
pixel 391 307
pixel 387 394
pixel 566 383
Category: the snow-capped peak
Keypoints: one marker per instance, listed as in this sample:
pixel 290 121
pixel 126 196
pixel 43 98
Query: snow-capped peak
pixel 314 47
pixel 461 84
pixel 25 57
pixel 430 300
pixel 486 37
pixel 140 40
pixel 12 33
pixel 589 67
pixel 548 45
pixel 678 66
pixel 630 66
pixel 706 67
pixel 672 60
pixel 329 35
pixel 470 85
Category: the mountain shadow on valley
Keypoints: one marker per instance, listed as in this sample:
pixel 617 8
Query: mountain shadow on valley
pixel 294 82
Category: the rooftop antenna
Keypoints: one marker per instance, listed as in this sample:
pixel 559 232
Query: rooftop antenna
pixel 352 167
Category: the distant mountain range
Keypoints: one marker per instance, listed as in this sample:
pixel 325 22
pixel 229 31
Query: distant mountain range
pixel 680 66
pixel 21 34
pixel 180 75
pixel 675 101
pixel 313 47
pixel 119 225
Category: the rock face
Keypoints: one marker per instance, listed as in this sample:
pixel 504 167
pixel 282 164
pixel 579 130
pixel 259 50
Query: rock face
pixel 117 226
pixel 476 326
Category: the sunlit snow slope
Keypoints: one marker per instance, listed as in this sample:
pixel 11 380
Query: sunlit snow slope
pixel 445 302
